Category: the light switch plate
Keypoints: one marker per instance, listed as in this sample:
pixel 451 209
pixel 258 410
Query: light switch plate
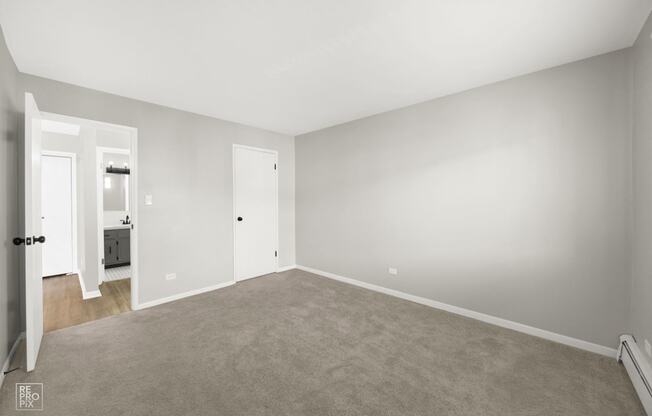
pixel 148 199
pixel 170 276
pixel 393 271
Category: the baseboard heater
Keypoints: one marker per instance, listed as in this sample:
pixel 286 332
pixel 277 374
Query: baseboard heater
pixel 638 369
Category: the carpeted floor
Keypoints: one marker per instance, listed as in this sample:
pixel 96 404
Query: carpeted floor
pixel 296 344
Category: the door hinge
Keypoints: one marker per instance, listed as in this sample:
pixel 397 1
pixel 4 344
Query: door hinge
pixel 275 253
pixel 102 261
pixel 274 166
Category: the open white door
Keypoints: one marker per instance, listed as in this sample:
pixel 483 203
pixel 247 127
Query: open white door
pixel 255 207
pixel 33 238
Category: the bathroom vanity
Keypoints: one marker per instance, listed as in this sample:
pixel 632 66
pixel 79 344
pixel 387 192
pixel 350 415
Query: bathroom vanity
pixel 117 246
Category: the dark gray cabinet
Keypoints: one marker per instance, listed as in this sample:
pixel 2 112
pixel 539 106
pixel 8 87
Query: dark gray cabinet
pixel 117 251
pixel 110 250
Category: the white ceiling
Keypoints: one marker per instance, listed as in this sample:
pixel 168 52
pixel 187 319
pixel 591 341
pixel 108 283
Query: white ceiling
pixel 295 66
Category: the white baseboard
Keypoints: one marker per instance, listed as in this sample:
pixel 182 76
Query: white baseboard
pixel 10 356
pixel 85 293
pixel 537 332
pixel 182 295
pixel 286 268
pixel 638 369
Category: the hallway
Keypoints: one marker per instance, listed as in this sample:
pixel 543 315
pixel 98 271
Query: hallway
pixel 63 305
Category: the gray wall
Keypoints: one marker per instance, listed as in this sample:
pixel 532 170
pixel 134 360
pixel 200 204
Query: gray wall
pixel 510 199
pixel 10 308
pixel 642 265
pixel 184 161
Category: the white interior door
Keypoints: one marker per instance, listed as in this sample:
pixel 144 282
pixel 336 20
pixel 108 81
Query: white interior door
pixel 33 265
pixel 56 191
pixel 255 206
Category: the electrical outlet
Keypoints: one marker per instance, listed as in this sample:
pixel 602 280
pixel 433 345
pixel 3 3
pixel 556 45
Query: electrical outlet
pixel 648 348
pixel 393 271
pixel 170 276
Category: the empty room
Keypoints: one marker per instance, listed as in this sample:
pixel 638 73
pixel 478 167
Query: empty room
pixel 266 207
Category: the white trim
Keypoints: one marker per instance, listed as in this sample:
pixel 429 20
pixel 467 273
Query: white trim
pixel 10 357
pixel 133 210
pixel 638 369
pixel 60 127
pixel 87 294
pixel 86 122
pixel 99 214
pixel 233 214
pixel 181 295
pixel 286 268
pixel 257 149
pixel 504 323
pixel 117 150
pixel 133 189
pixel 73 164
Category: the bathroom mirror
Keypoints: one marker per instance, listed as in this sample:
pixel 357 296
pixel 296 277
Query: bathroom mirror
pixel 116 182
pixel 116 189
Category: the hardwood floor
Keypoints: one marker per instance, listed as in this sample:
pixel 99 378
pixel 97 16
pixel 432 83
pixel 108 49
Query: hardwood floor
pixel 63 305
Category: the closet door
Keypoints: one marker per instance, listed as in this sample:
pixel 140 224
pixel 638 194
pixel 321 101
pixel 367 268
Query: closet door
pixel 57 202
pixel 255 205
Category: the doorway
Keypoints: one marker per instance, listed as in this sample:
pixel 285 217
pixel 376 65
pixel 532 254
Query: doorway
pixel 62 234
pixel 59 212
pixel 113 213
pixel 255 208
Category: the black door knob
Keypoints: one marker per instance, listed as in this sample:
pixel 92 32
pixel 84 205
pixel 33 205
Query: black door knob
pixel 18 241
pixel 239 218
pixel 40 239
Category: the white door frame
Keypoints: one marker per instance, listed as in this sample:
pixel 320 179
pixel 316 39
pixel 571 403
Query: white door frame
pixel 99 158
pixel 133 190
pixel 73 164
pixel 257 149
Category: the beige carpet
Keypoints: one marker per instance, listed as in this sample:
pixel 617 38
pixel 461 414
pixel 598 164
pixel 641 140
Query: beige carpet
pixel 297 344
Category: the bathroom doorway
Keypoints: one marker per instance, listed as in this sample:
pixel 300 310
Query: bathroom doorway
pixel 114 213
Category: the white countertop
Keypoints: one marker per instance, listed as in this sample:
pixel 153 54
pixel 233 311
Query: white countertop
pixel 117 227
